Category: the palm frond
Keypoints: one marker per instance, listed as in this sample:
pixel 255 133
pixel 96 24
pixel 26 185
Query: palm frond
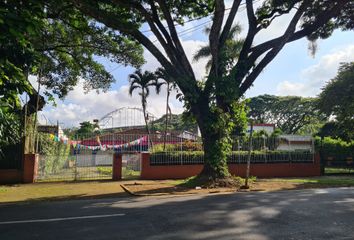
pixel 203 52
pixel 132 88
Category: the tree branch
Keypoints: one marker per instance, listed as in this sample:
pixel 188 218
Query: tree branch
pixel 242 67
pixel 322 19
pixel 183 57
pixel 214 34
pixel 228 24
pixel 272 53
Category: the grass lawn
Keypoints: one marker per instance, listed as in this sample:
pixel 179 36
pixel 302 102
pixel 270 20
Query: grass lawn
pixel 329 170
pixel 59 190
pixel 324 180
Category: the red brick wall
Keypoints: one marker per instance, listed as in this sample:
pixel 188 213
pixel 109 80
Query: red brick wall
pixel 259 170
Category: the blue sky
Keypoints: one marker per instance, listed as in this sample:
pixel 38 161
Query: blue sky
pixel 293 72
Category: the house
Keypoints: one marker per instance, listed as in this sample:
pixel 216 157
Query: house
pixel 268 127
pixel 295 143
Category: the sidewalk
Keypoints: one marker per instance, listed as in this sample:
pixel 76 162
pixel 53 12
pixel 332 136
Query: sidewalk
pixel 103 189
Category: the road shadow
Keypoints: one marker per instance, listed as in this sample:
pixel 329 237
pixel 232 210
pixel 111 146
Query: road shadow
pixel 299 214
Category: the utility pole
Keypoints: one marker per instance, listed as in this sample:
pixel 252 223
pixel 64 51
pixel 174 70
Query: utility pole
pixel 246 186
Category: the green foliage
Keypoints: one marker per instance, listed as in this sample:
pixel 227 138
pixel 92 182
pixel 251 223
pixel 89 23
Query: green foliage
pixel 291 114
pixel 105 170
pixel 185 146
pixel 55 154
pixel 10 127
pixel 260 133
pixel 58 43
pixel 337 99
pixel 335 147
pixel 143 81
pixel 177 122
pixel 87 129
pixel 18 23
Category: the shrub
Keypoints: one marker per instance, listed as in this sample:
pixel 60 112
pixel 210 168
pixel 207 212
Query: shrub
pixel 55 154
pixel 334 147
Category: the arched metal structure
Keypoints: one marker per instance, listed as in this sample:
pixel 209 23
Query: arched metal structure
pixel 125 117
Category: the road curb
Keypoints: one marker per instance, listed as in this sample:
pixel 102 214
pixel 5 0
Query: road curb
pixel 132 193
pixel 127 190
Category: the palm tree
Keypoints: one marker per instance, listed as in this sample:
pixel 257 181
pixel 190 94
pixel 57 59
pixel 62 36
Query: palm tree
pixel 230 52
pixel 142 80
pixel 161 73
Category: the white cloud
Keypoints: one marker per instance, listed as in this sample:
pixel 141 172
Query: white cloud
pixel 315 77
pixel 289 88
pixel 79 106
pixel 190 48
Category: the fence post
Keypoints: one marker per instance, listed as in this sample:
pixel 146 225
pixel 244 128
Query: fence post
pixel 30 168
pixel 145 164
pixel 117 167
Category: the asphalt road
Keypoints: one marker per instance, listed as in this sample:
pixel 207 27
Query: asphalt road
pixel 301 214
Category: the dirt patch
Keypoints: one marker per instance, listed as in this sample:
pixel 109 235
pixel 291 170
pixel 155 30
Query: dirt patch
pixel 275 185
pixel 170 187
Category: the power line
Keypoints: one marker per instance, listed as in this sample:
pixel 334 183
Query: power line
pixel 198 18
pixel 199 26
pixel 190 20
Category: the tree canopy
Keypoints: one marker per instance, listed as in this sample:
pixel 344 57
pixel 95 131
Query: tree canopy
pixel 337 100
pixel 291 114
pixel 87 128
pixel 57 43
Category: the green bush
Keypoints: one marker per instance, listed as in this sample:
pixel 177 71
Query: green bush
pixel 334 147
pixel 55 155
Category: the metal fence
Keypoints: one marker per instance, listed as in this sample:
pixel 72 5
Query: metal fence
pixel 91 156
pixel 11 156
pixel 283 149
pixel 87 157
pixel 338 163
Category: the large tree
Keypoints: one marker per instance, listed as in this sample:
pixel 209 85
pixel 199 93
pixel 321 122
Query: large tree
pixel 337 100
pixel 291 114
pixel 60 45
pixel 57 43
pixel 214 101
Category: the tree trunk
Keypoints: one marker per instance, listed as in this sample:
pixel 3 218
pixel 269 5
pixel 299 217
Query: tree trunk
pixel 166 123
pixel 143 103
pixel 217 148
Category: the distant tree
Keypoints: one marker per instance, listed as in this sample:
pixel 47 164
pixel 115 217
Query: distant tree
pixel 143 81
pixel 337 100
pixel 162 75
pixel 291 114
pixel 87 128
pixel 177 122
